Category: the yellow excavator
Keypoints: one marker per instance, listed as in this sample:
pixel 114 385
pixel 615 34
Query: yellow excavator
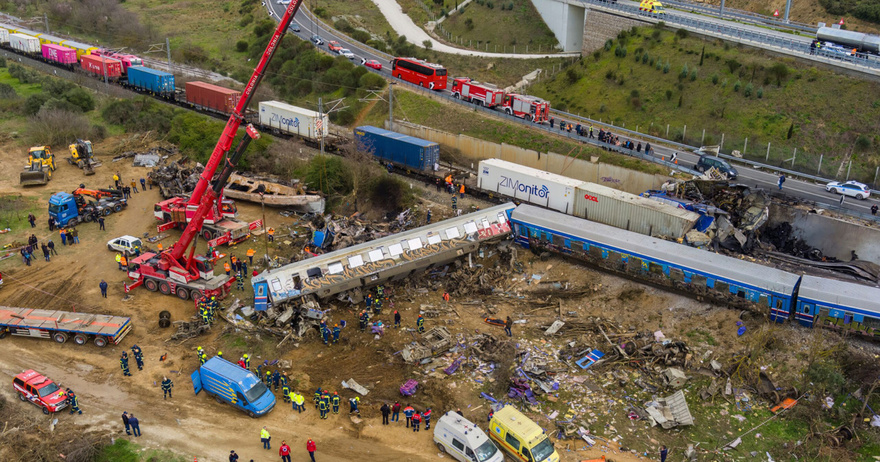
pixel 41 164
pixel 81 155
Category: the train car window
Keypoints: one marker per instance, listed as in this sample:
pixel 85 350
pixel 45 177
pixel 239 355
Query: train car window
pixel 676 274
pixel 335 268
pixel 414 244
pixel 314 273
pixel 557 240
pixel 470 227
pixel 655 268
pixel 595 252
pixel 847 318
pixel 452 233
pixel 614 257
pixel 779 303
pixel 485 223
pixel 699 280
pixel 434 239
pixel 764 300
pixel 634 265
pixel 395 250
pixel 741 293
pixel 536 233
pixel 376 255
pixel 355 261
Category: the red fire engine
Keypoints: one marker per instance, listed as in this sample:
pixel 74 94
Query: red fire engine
pixel 481 94
pixel 527 107
pixel 177 270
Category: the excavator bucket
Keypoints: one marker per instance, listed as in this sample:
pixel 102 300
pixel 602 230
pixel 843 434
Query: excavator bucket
pixel 35 175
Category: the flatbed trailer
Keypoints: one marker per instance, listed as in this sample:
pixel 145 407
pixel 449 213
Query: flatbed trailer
pixel 62 325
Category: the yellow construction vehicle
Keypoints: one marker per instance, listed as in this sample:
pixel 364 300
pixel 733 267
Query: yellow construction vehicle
pixel 42 154
pixel 81 155
pixel 41 164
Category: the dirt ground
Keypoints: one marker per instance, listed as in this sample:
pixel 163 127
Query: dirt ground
pixel 196 426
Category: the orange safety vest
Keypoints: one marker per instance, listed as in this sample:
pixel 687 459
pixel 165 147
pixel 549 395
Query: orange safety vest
pixel 227 267
pixel 160 246
pixel 251 252
pixel 446 296
pixel 123 261
pixel 271 231
pixel 233 259
pixel 461 190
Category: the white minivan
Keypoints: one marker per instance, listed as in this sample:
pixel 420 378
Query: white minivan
pixel 464 441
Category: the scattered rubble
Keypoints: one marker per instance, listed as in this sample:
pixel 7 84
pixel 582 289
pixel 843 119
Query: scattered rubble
pixel 179 178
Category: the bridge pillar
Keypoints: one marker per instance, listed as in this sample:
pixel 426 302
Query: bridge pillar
pixel 600 25
pixel 566 20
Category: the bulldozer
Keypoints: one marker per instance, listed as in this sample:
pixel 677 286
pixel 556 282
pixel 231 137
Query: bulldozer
pixel 38 170
pixel 81 155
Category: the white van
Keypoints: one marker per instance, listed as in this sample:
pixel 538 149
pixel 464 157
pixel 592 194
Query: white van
pixel 464 441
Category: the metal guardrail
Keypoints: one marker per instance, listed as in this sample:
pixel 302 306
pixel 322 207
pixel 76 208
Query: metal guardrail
pixel 742 15
pixel 748 37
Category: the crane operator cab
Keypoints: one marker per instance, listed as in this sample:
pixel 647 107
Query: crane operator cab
pixel 205 267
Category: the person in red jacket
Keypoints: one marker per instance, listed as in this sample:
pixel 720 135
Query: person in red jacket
pixel 416 420
pixel 310 446
pixel 284 452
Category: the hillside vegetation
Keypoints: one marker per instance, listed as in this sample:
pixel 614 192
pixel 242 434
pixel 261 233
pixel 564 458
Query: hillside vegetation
pixel 860 15
pixel 491 25
pixel 648 78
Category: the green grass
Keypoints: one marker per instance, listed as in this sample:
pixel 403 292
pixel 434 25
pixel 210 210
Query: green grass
pixel 125 451
pixel 700 335
pixel 363 14
pixel 489 29
pixel 831 114
pixel 14 210
pixel 457 119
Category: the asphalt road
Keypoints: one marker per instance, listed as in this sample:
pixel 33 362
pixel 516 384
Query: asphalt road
pixel 766 179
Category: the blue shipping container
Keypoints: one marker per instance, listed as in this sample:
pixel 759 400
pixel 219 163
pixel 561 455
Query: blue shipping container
pixel 151 80
pixel 398 148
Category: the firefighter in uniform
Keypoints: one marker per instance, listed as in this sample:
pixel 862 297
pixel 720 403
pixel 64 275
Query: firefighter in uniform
pixel 285 393
pixel 167 384
pixel 335 403
pixel 420 324
pixel 317 396
pixel 427 417
pixel 240 280
pixel 298 402
pixel 362 320
pixel 380 291
pixel 247 362
pixel 138 356
pixel 377 306
pixel 199 351
pixel 123 363
pixel 276 379
pixel 203 358
pixel 322 406
pixel 74 402
pixel 336 332
pixel 268 378
pixel 369 301
pixel 325 334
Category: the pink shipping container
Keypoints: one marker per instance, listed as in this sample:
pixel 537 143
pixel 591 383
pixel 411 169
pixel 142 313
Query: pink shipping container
pixel 58 53
pixel 94 65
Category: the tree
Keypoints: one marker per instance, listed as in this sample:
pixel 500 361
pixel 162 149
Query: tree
pixel 780 72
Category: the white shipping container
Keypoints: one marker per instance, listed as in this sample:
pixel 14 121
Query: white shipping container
pixel 24 43
pixel 528 184
pixel 293 120
pixel 632 213
pixel 4 36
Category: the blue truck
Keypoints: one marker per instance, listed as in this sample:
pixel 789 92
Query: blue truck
pixel 230 383
pixel 70 209
pixel 404 150
pixel 151 80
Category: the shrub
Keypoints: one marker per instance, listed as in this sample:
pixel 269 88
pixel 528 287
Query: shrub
pixel 7 92
pixel 682 33
pixel 645 58
pixel 490 5
pixel 684 72
pixel 427 44
pixel 693 75
pixel 57 127
pixel 863 143
pixel 321 12
pixel 634 94
pixel 608 44
pixel 34 102
pixel 656 35
pixel 714 79
pixel 2 61
pixel 668 94
pixel 572 75
pixel 733 65
pixel 361 36
pixel 680 99
pixel 620 51
pixel 241 46
pixel 790 131
pixel 329 175
pixel 780 72
pixel 610 74
pixel 344 26
pixel 80 98
pixel 737 86
pixel 666 67
pixel 469 23
pixel 760 92
pixel 596 55
pixel 657 65
pixel 747 92
pixel 247 19
pixel 390 193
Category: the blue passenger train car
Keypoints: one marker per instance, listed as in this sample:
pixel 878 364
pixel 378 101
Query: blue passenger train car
pixel 838 305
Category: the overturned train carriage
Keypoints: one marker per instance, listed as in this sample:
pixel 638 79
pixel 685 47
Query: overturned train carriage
pixel 725 279
pixel 390 258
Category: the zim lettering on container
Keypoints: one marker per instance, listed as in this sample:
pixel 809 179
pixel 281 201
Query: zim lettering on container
pixel 285 120
pixel 507 182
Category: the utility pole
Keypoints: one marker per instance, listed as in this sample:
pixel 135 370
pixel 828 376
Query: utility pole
pixel 321 121
pixel 168 47
pixel 46 21
pixel 391 106
pixel 265 229
pixel 104 65
pixel 787 9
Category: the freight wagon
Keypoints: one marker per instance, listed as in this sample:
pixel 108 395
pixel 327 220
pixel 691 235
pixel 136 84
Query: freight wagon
pixel 212 97
pixel 526 184
pixel 151 81
pixel 61 325
pixel 292 120
pixel 126 60
pixel 98 65
pixel 408 151
pixel 4 36
pixel 82 49
pixel 59 54
pixel 24 43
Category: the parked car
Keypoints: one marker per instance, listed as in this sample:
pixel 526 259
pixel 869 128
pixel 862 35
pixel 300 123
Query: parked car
pixel 850 188
pixel 372 64
pixel 39 391
pixel 347 53
pixel 295 27
pixel 317 40
pixel 334 46
pixel 125 244
pixel 706 162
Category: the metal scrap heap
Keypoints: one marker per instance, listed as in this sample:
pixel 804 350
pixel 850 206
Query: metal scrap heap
pixel 176 179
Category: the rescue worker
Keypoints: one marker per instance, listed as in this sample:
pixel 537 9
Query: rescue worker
pixel 420 324
pixel 206 319
pixel 353 405
pixel 123 263
pixel 369 301
pixel 73 401
pixel 247 361
pixel 203 358
pixel 318 393
pixel 241 363
pixel 250 255
pixel 285 393
pixel 325 334
pixel 220 354
pixel 325 398
pixel 427 416
pixel 322 407
pixel 271 233
pixel 380 291
pixel 377 306
pixel 199 351
pixel 461 190
pixel 268 379
pixel 416 421
pixel 227 268
pixel 291 397
pixel 138 356
pixel 428 218
pixel 396 319
pixel 276 379
pixel 336 332
pixel 335 403
pixel 284 380
pixel 395 411
pixel 123 363
pixel 408 412
pixel 167 385
pixel 239 279
pixel 118 255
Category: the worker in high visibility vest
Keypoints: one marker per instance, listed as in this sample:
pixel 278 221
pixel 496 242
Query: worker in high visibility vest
pixel 227 268
pixel 119 260
pixel 123 263
pixel 271 233
pixel 250 255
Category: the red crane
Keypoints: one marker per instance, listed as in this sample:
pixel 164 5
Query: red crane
pixel 180 272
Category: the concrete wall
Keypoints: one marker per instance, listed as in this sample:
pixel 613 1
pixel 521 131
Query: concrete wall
pixel 599 26
pixel 476 150
pixel 836 238
pixel 565 20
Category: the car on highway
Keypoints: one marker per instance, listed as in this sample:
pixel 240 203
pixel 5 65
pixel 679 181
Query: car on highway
pixel 334 46
pixel 372 64
pixel 317 40
pixel 347 53
pixel 39 390
pixel 707 162
pixel 125 244
pixel 284 2
pixel 294 27
pixel 850 188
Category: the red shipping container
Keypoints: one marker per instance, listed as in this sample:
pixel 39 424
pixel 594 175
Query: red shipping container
pixel 212 96
pixel 58 53
pixel 93 64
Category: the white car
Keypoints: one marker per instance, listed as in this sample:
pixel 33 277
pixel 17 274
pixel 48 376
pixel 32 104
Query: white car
pixel 125 244
pixel 850 188
pixel 347 53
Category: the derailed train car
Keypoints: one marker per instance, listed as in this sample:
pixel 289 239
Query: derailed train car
pixel 391 258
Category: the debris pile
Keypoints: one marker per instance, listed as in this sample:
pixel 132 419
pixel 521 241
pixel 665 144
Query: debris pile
pixel 176 179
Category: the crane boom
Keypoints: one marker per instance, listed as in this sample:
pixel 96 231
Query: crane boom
pixel 202 195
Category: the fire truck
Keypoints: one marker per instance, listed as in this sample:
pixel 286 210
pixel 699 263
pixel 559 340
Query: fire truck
pixel 178 270
pixel 527 107
pixel 481 94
